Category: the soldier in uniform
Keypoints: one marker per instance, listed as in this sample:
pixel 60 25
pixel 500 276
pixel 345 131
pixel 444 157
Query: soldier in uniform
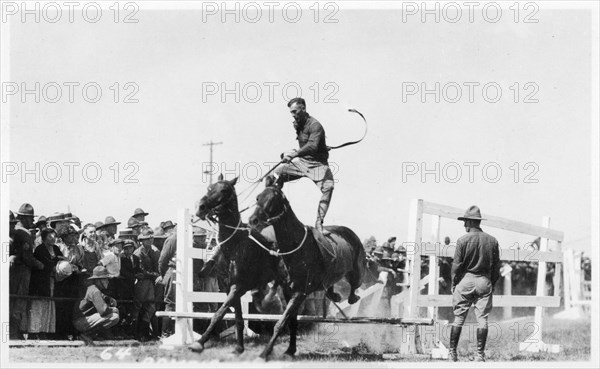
pixel 475 270
pixel 21 262
pixel 166 266
pixel 144 291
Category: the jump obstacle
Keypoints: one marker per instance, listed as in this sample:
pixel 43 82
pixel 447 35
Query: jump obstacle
pixel 407 306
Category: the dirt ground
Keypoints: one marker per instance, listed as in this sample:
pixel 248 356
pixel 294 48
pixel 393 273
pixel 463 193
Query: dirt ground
pixel 335 343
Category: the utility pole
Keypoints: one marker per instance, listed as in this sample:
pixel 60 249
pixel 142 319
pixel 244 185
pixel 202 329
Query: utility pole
pixel 210 172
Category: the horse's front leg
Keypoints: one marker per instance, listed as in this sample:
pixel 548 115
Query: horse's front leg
pixel 293 332
pixel 239 326
pixel 234 294
pixel 290 311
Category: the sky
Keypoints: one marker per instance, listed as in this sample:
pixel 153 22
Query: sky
pixel 369 60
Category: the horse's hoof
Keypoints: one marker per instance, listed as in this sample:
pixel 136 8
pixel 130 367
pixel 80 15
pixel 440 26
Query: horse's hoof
pixel 289 353
pixel 264 356
pixel 238 350
pixel 353 299
pixel 334 296
pixel 196 347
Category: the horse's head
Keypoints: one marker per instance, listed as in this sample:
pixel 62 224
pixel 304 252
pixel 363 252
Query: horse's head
pixel 219 200
pixel 271 205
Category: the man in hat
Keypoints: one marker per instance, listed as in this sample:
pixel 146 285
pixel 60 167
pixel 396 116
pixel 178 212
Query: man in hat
pixel 96 312
pixel 168 227
pixel 130 271
pixel 310 160
pixel 21 261
pixel 58 222
pixel 140 214
pixel 166 267
pixel 110 226
pixel 475 270
pixel 40 224
pixel 135 225
pixel 144 289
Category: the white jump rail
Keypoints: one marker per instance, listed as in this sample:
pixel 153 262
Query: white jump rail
pixel 417 248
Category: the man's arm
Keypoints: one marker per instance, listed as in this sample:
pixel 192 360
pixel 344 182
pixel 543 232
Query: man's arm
pixel 495 263
pixel 166 254
pixel 26 244
pixel 99 303
pixel 316 133
pixel 458 263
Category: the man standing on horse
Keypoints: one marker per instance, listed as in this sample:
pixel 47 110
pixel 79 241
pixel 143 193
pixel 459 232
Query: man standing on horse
pixel 310 160
pixel 475 270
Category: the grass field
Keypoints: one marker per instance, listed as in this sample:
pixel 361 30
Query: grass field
pixel 339 342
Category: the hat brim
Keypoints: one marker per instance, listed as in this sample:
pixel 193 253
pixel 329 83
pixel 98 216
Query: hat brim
pixel 145 237
pixel 144 214
pixel 25 215
pixel 171 226
pixel 470 218
pixel 98 277
pixel 109 224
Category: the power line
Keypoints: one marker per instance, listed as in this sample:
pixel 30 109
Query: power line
pixel 210 172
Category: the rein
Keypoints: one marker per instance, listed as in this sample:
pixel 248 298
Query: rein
pixel 277 252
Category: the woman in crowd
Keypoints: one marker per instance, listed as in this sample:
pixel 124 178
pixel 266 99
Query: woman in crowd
pixel 42 313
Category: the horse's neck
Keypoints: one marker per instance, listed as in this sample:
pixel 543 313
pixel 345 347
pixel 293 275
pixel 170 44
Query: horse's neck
pixel 228 222
pixel 289 231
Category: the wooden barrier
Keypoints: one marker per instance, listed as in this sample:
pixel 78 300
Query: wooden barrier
pixel 433 249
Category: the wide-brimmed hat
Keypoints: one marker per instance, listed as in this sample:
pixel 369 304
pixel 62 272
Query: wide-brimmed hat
pixel 63 270
pixel 391 239
pixel 116 242
pixel 55 218
pixel 99 272
pixel 378 251
pixel 133 223
pixel 146 233
pixel 167 224
pixel 98 225
pixel 12 218
pixel 472 213
pixel 139 211
pixel 41 219
pixel 387 246
pixel 110 221
pixel 26 210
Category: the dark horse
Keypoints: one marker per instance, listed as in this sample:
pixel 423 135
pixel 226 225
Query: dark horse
pixel 252 267
pixel 302 256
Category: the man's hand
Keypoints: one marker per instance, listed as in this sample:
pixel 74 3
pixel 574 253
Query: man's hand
pixel 453 288
pixel 287 158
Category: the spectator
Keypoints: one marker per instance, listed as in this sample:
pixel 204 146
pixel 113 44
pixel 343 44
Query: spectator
pixel 167 263
pixel 92 254
pixel 42 313
pixel 130 271
pixel 95 312
pixel 135 225
pixel 58 222
pixel 168 227
pixel 70 286
pixel 110 226
pixel 139 215
pixel 112 262
pixel 21 262
pixel 40 224
pixel 144 293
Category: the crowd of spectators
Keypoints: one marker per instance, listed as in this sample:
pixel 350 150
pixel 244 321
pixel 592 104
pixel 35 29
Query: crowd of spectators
pixel 71 280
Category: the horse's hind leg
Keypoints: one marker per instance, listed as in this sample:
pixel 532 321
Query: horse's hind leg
pixel 355 280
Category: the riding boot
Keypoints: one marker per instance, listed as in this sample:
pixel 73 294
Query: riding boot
pixel 454 337
pixel 481 338
pixel 322 211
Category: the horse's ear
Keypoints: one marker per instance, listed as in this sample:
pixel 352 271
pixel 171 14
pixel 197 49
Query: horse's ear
pixel 269 181
pixel 233 181
pixel 220 177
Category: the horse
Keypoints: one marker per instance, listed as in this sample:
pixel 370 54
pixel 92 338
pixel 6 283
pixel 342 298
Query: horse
pixel 251 267
pixel 298 246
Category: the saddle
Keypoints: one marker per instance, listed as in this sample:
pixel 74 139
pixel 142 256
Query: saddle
pixel 327 247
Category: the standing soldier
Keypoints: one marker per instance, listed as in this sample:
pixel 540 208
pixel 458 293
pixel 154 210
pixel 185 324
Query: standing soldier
pixel 21 261
pixel 166 266
pixel 144 288
pixel 475 270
